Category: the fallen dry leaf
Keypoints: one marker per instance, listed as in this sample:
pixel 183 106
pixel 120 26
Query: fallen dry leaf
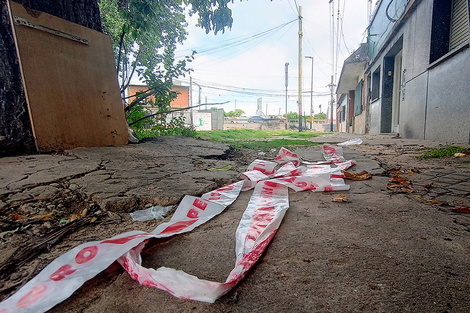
pixel 16 217
pixel 360 176
pixel 340 198
pixel 462 209
pixel 400 185
pixel 395 171
pixel 414 170
pixel 74 217
pixel 428 185
pixel 224 168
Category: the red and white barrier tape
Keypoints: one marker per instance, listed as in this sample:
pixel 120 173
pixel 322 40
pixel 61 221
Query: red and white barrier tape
pixel 257 227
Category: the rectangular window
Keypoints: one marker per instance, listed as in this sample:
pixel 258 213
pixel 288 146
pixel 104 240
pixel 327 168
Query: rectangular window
pixel 459 24
pixel 449 27
pixel 374 94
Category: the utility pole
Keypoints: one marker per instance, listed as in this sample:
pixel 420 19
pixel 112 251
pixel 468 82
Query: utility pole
pixel 333 58
pixel 332 86
pixel 191 100
pixel 300 68
pixel 287 70
pixel 311 95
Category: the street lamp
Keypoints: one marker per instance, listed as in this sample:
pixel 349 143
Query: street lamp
pixel 311 95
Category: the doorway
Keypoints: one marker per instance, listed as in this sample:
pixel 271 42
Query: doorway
pixel 391 89
pixel 396 98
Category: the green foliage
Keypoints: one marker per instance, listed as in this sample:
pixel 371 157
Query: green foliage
pixel 320 116
pixel 448 150
pixel 145 33
pixel 162 128
pixel 236 113
pixel 136 114
pixel 293 115
pixel 150 133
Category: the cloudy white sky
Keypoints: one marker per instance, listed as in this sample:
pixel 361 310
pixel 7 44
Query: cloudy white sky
pixel 247 62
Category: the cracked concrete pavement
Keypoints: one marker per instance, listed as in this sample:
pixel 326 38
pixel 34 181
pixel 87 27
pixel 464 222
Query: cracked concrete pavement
pixel 379 251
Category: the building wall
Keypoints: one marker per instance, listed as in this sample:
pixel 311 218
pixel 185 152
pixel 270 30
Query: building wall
pixel 181 101
pixel 435 97
pixel 448 107
pixel 360 124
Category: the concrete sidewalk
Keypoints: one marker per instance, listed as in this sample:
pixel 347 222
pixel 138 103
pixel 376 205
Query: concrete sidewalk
pixel 379 251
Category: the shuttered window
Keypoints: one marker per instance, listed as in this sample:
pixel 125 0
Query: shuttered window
pixel 459 23
pixel 449 27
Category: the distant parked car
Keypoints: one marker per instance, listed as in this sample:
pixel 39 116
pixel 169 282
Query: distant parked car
pixel 258 119
pixel 241 119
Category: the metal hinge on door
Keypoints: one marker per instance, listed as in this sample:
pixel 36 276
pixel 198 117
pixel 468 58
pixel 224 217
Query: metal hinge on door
pixel 23 22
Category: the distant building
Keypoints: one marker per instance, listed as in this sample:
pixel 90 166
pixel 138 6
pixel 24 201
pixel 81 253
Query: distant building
pixel 181 101
pixel 415 80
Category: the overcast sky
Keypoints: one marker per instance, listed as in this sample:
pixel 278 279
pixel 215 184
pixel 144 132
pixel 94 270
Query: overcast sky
pixel 263 37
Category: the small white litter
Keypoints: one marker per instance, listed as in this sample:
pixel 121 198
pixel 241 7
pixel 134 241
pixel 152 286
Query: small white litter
pixel 153 213
pixel 351 142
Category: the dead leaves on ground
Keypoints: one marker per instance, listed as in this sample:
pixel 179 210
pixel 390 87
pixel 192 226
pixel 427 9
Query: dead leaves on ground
pixel 462 209
pixel 398 184
pixel 359 176
pixel 340 198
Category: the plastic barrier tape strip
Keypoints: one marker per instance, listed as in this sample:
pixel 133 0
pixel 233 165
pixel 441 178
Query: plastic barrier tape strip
pixel 257 227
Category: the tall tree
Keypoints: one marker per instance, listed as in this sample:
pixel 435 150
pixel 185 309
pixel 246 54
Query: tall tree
pixel 145 34
pixel 131 15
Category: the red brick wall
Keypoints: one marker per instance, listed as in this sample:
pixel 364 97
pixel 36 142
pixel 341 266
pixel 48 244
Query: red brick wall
pixel 181 101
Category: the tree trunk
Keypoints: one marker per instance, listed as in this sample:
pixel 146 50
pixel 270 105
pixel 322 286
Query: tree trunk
pixel 16 136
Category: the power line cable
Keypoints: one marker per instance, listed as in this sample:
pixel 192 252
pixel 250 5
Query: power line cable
pixel 234 42
pixel 296 12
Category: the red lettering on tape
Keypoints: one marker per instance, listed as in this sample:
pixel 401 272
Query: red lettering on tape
pixel 250 258
pixel 270 184
pixel 267 192
pixel 62 272
pixel 86 255
pixel 198 203
pixel 193 213
pixel 261 218
pixel 287 179
pixel 227 188
pixel 32 296
pixel 178 226
pixel 123 240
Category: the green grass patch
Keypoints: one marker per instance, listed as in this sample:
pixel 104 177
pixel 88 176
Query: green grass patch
pixel 253 139
pixel 441 152
pixel 272 144
pixel 231 134
pixel 150 133
pixel 244 134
